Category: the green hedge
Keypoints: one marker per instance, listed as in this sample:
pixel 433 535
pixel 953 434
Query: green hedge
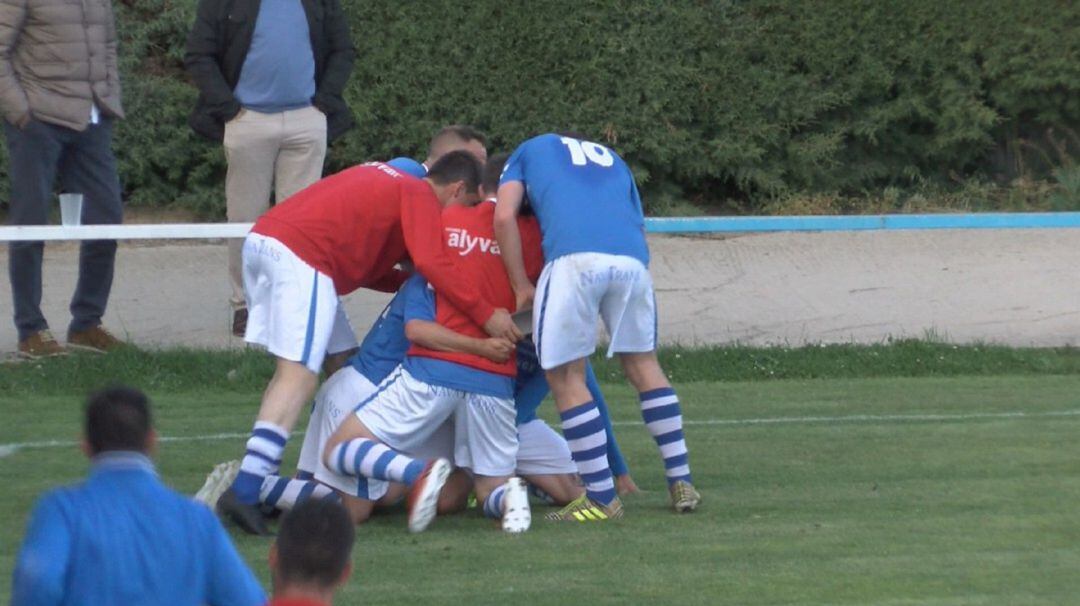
pixel 707 99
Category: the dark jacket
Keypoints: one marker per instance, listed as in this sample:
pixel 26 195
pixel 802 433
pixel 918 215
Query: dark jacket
pixel 219 43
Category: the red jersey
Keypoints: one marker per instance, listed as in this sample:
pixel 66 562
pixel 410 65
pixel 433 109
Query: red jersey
pixel 470 231
pixel 356 225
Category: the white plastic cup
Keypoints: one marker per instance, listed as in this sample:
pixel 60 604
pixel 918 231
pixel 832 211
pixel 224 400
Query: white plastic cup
pixel 71 209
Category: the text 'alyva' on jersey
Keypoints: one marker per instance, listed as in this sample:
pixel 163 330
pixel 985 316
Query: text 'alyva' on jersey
pixel 583 195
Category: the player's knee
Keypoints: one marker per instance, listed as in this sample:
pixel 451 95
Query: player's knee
pixel 643 371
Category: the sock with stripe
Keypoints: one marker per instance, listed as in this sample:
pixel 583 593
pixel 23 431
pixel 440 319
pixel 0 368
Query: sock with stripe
pixel 584 432
pixel 286 493
pixel 493 505
pixel 368 458
pixel 663 418
pixel 263 458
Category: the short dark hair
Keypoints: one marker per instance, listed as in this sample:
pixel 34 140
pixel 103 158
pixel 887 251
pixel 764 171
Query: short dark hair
pixel 492 171
pixel 456 166
pixel 117 418
pixel 460 132
pixel 314 543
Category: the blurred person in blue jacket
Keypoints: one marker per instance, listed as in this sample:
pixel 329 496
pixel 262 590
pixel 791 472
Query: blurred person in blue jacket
pixel 122 536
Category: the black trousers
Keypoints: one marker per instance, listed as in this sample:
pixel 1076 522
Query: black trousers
pixel 85 164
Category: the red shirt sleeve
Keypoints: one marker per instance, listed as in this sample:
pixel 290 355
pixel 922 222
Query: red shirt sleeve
pixel 421 223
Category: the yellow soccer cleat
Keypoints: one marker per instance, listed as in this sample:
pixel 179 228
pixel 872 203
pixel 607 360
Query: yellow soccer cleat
pixel 584 509
pixel 684 498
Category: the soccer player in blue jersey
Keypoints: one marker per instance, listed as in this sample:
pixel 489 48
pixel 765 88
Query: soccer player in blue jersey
pixel 596 267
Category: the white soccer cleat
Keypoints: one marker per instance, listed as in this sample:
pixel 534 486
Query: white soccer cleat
pixel 423 501
pixel 516 514
pixel 219 480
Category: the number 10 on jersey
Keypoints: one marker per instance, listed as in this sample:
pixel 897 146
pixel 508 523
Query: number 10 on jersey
pixel 582 152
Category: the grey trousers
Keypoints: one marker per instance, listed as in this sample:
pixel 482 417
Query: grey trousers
pixel 85 164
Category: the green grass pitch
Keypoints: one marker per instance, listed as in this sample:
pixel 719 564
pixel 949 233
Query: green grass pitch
pixel 845 490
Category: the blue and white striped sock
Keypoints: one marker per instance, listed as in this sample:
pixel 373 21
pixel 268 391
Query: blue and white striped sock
pixel 663 418
pixel 584 432
pixel 286 493
pixel 368 458
pixel 263 458
pixel 493 505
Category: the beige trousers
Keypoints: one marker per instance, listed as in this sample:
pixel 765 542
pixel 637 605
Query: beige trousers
pixel 282 153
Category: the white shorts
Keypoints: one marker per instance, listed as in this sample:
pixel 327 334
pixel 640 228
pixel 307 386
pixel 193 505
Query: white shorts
pixel 542 451
pixel 338 397
pixel 293 309
pixel 576 290
pixel 407 413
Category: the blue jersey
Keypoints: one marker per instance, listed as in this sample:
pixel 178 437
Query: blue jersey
pixel 385 345
pixel 420 305
pixel 409 167
pixel 584 197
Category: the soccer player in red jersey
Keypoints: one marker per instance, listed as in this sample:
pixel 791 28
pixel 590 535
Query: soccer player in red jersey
pixel 439 390
pixel 345 232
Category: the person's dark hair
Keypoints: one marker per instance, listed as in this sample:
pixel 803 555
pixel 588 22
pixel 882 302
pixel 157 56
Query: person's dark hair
pixel 456 166
pixel 117 418
pixel 459 132
pixel 492 171
pixel 314 544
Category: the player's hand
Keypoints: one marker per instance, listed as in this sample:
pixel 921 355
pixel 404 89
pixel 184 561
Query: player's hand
pixel 501 324
pixel 23 121
pixel 497 349
pixel 624 485
pixel 525 295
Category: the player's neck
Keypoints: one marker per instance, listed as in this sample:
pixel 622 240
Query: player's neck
pixel 305 593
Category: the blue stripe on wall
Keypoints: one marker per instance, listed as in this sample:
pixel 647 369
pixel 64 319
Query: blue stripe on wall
pixel 862 222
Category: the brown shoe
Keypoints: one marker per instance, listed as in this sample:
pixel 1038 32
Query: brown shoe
pixel 95 339
pixel 239 322
pixel 41 344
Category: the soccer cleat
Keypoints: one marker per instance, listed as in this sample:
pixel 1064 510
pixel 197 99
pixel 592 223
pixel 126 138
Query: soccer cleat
pixel 247 517
pixel 423 498
pixel 684 498
pixel 516 514
pixel 219 480
pixel 584 509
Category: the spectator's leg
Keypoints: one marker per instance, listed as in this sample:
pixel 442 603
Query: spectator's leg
pixel 89 167
pixel 33 154
pixel 251 148
pixel 303 149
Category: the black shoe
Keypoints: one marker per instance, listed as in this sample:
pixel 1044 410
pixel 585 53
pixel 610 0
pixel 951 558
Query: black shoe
pixel 247 517
pixel 239 322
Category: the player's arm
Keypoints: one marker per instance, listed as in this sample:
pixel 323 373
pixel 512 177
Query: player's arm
pixel 42 564
pixel 432 335
pixel 422 329
pixel 508 234
pixel 421 223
